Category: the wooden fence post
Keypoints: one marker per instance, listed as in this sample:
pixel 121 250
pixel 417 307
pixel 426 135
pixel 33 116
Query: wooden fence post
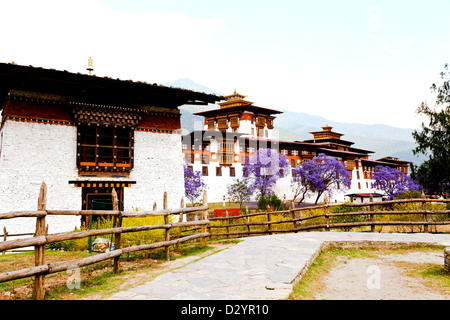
pixel 180 219
pixel 228 224
pixel 293 215
pixel 39 251
pixel 167 232
pixel 5 235
pixel 424 217
pixel 269 219
pixel 248 220
pixel 371 208
pixel 117 236
pixel 327 219
pixel 204 217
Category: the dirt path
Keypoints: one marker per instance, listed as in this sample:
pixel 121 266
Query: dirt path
pixel 380 278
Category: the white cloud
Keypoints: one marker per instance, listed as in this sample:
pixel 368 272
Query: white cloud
pixel 64 34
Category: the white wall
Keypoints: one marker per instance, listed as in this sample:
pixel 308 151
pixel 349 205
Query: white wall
pixel 217 186
pixel 158 168
pixel 34 152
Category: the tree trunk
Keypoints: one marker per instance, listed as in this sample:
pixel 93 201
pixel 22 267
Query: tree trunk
pixel 303 197
pixel 318 196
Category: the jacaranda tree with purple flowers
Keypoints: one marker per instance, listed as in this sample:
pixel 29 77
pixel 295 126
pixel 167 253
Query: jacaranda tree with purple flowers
pixel 393 181
pixel 302 176
pixel 320 174
pixel 262 171
pixel 193 184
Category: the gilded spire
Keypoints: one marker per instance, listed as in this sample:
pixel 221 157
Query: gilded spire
pixel 89 68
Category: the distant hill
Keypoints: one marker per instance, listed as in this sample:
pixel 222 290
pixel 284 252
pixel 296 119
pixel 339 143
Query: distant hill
pixel 384 140
pixel 187 83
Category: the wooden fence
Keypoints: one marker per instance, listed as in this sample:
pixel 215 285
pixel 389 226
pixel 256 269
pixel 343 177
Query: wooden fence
pixel 295 219
pixel 292 220
pixel 6 234
pixel 41 237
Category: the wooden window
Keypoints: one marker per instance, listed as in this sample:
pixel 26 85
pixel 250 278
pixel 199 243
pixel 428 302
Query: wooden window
pixel 205 159
pixel 105 146
pixel 260 132
pixel 260 121
pixel 222 124
pixel 211 124
pixel 234 122
pixel 218 171
pixel 232 172
pixel 226 158
pixel 205 170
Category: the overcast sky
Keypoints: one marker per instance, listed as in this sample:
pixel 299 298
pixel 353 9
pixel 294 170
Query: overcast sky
pixel 355 61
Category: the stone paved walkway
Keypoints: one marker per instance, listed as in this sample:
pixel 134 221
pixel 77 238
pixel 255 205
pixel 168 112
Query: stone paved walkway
pixel 264 267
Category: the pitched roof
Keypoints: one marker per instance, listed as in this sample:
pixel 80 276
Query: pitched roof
pixel 92 89
pixel 249 107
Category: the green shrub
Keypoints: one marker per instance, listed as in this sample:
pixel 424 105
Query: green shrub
pixel 410 194
pixel 273 201
pixel 142 237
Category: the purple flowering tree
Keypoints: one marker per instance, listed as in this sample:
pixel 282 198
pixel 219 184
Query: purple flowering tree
pixel 240 192
pixel 262 171
pixel 302 176
pixel 320 174
pixel 193 184
pixel 392 181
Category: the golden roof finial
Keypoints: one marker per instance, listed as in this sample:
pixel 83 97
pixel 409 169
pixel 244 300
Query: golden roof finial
pixel 89 68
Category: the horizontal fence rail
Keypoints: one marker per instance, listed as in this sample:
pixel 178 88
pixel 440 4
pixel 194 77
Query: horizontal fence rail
pixel 41 238
pixel 295 222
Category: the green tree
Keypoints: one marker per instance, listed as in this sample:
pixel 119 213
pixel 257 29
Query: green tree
pixel 240 192
pixel 433 140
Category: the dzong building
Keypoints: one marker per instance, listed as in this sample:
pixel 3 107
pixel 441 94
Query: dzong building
pixel 238 129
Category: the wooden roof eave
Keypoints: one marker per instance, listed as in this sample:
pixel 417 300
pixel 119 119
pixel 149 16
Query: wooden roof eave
pixel 342 152
pixel 93 89
pixel 239 109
